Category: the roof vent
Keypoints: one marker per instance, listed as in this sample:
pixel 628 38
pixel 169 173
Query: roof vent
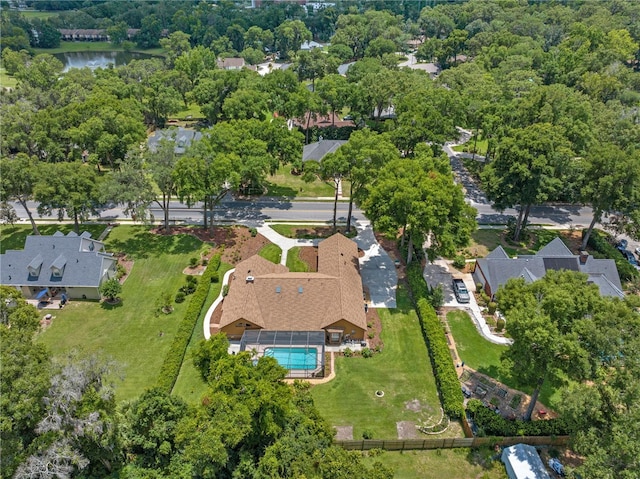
pixel 300 289
pixel 278 289
pixel 250 279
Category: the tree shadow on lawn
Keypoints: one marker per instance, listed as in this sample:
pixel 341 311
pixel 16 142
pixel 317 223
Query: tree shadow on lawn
pixel 143 243
pixel 106 305
pixel 485 457
pixel 280 190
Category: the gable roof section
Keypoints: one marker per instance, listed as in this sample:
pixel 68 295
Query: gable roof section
pixel 276 299
pixel 82 267
pixel 318 150
pixel 555 247
pixel 498 268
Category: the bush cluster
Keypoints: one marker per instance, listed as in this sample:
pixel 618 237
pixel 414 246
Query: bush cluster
pixel 491 424
pixel 173 360
pixel 444 370
pixel 600 242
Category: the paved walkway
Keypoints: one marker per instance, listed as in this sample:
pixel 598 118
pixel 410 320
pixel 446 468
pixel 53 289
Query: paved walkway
pixel 438 273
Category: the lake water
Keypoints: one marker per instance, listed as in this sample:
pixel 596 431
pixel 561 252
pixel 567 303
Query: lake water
pixel 95 60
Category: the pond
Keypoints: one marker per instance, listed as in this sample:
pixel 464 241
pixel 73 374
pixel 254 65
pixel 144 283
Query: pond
pixel 95 60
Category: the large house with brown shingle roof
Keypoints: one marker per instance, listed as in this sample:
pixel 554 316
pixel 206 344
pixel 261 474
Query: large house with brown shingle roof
pixel 264 295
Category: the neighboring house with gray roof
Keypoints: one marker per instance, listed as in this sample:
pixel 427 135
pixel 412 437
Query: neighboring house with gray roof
pixel 497 268
pixel 183 137
pixel 57 264
pixel 318 150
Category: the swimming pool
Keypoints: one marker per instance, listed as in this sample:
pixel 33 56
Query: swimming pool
pixel 294 358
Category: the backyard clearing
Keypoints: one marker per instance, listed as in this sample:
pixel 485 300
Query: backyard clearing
pixel 450 463
pixel 402 371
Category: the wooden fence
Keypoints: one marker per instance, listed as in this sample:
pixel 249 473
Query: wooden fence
pixel 450 442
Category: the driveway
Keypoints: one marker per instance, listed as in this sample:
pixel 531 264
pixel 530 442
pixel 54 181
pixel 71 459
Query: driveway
pixel 376 268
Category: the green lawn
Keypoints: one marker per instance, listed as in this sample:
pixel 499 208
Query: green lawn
pixel 484 356
pixel 294 263
pixel 7 80
pixel 481 147
pixel 191 113
pixel 189 385
pixel 130 333
pixel 41 14
pixel 283 183
pixel 14 236
pixel 484 241
pixel 449 463
pixel 402 370
pixel 272 252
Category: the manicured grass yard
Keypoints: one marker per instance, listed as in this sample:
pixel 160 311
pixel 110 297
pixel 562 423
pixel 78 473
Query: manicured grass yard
pixel 7 80
pixel 481 147
pixel 483 241
pixel 402 370
pixel 483 356
pixel 283 183
pixel 449 463
pixel 190 113
pixel 294 263
pixel 130 333
pixel 189 384
pixel 271 252
pixel 41 14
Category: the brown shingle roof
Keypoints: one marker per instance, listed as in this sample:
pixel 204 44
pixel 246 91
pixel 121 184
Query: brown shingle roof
pixel 276 299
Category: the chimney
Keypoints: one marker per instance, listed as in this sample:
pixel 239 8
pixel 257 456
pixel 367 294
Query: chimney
pixel 250 279
pixel 583 256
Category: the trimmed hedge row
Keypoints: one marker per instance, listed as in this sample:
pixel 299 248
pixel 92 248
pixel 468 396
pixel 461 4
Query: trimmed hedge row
pixel 490 423
pixel 443 367
pixel 599 241
pixel 173 360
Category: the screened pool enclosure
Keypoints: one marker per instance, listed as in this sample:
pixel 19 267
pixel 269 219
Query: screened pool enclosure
pixel 300 352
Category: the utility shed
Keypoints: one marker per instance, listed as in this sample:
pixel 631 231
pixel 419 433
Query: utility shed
pixel 523 462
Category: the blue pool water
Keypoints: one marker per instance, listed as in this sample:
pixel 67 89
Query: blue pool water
pixel 294 358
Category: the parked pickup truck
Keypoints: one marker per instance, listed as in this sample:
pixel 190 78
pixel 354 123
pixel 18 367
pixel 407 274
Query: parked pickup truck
pixel 460 290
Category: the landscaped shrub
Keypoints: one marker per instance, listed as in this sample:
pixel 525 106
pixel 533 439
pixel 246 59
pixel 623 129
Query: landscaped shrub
pixel 120 271
pixel 347 353
pixel 443 367
pixel 190 287
pixel 367 434
pixel 254 232
pixel 193 262
pixel 500 325
pixel 215 278
pixel 459 262
pixel 180 297
pixel 366 353
pixel 436 297
pixel 173 360
pixel 478 287
pixel 490 423
pixel 492 307
pixel 600 242
pixel 371 334
pixel 225 290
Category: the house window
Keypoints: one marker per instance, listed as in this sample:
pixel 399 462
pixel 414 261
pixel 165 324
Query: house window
pixel 56 272
pixel 335 337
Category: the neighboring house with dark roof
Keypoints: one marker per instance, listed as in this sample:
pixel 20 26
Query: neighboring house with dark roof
pixel 183 137
pixel 264 295
pixel 497 268
pixel 58 264
pixel 234 63
pixel 318 150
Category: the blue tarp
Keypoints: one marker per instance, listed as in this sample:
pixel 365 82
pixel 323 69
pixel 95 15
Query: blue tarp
pixel 41 294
